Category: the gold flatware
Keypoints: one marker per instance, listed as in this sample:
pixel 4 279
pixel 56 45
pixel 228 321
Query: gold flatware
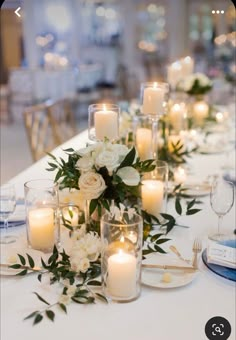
pixel 176 252
pixel 197 248
pixel 167 266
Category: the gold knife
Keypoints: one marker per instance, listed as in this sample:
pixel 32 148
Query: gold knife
pixel 167 266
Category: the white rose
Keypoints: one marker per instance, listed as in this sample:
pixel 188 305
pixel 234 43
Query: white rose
pixel 109 159
pixel 71 290
pixel 92 185
pixel 85 163
pixel 84 265
pixel 65 299
pixel 122 150
pixel 86 151
pixel 129 176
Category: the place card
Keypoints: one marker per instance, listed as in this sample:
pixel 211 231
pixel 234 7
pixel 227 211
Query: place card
pixel 221 255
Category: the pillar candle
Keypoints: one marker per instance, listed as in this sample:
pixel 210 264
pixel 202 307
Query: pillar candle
pixel 177 114
pixel 41 228
pixel 106 124
pixel 174 74
pixel 121 281
pixel 153 98
pixel 144 143
pixel 152 196
pixel 187 64
pixel 200 112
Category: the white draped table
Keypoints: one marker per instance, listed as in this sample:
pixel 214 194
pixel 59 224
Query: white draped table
pixel 170 314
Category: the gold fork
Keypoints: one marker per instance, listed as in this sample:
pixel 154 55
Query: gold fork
pixel 197 248
pixel 176 252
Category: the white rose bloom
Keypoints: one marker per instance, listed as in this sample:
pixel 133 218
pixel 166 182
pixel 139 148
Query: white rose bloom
pixel 85 163
pixel 109 159
pixel 84 265
pixel 75 264
pixel 129 175
pixel 86 151
pixel 188 84
pixel 64 299
pixel 71 290
pixel 122 150
pixel 78 233
pixel 92 185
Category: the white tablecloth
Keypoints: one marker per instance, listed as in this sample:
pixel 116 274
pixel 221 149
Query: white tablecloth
pixel 171 314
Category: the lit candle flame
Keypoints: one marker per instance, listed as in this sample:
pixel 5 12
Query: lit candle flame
pixel 104 107
pixel 155 85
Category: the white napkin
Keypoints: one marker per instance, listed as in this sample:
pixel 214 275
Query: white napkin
pixel 221 255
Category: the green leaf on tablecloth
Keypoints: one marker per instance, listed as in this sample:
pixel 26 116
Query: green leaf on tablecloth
pixel 163 240
pixel 156 237
pixel 38 318
pixel 50 314
pixel 63 307
pixel 159 249
pixel 31 261
pixel 101 297
pixel 41 299
pixel 40 277
pixel 191 204
pixel 192 211
pixel 51 155
pixel 31 315
pixel 22 273
pixel 178 206
pixel 15 266
pixel 22 259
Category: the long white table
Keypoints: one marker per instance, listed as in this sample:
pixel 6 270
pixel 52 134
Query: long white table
pixel 170 314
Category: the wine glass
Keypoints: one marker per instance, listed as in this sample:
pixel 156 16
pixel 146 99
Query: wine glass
pixel 222 200
pixel 7 207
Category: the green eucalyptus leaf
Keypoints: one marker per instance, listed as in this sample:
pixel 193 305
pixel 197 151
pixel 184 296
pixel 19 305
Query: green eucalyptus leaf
pixel 178 206
pixel 22 273
pixel 192 211
pixel 191 204
pixel 41 299
pixel 15 266
pixel 50 314
pixel 31 315
pixel 22 259
pixel 31 261
pixel 92 206
pixel 63 307
pixel 38 318
pixel 94 283
pixel 101 297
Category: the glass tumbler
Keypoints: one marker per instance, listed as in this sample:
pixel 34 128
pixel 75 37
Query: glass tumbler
pixel 121 256
pixel 42 214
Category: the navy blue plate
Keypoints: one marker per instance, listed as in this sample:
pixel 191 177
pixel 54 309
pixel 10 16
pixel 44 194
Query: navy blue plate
pixel 227 273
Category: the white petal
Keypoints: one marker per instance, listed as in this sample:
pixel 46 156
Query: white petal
pixel 129 175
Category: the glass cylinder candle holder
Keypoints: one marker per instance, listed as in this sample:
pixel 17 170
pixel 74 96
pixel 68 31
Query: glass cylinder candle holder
pixel 154 98
pixel 121 256
pixel 154 190
pixel 42 214
pixel 104 122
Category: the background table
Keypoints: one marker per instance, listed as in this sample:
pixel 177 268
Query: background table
pixel 171 314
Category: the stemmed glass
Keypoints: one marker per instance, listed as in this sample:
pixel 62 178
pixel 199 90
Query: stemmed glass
pixel 7 207
pixel 222 200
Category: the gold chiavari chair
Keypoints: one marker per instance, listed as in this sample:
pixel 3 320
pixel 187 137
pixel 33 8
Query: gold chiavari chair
pixel 48 125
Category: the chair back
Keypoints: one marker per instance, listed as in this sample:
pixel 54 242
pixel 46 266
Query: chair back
pixel 48 125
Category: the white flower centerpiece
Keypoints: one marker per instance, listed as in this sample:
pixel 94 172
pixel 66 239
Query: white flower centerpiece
pixel 195 84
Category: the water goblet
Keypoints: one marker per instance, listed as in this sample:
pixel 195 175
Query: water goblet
pixel 222 200
pixel 7 207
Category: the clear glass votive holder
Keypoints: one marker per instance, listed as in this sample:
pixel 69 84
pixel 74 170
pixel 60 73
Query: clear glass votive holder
pixel 121 256
pixel 154 189
pixel 104 122
pixel 42 214
pixel 154 98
